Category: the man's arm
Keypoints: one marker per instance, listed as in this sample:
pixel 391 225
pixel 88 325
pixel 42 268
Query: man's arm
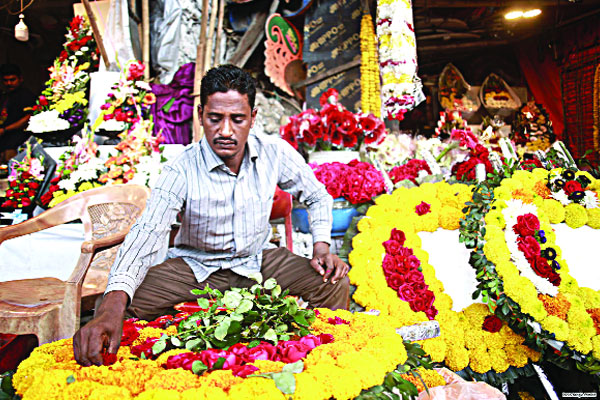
pixel 15 126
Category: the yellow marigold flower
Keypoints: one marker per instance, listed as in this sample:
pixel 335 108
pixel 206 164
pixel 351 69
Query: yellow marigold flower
pixel 498 359
pixel 481 361
pixel 575 215
pixel 159 394
pixel 457 358
pixel 557 326
pixel 593 217
pixel 162 359
pixel 47 385
pixel 177 379
pixel 148 333
pixel 205 393
pixel 450 218
pixel 109 392
pixel 435 348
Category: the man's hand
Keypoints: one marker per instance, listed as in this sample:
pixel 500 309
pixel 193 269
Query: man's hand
pixel 327 264
pixel 103 332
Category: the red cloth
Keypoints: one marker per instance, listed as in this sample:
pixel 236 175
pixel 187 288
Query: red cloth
pixel 543 79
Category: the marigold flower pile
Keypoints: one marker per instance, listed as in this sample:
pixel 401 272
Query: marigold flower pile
pixel 468 338
pixel 363 351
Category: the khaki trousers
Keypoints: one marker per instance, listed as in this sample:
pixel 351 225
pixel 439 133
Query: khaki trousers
pixel 170 283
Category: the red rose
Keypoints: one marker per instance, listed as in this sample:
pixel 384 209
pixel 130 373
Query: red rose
pixel 34 185
pixel 406 292
pixel 330 96
pixel 572 186
pixel 423 301
pixel 541 267
pixel 130 333
pixel 423 208
pixel 291 351
pixel 527 225
pixel 398 236
pixel 264 351
pixel 211 356
pixel 395 280
pixel 554 278
pixel 26 202
pixel 392 246
pixel 402 266
pixel 108 358
pixel 529 246
pixel 389 264
pixel 414 276
pixel 145 348
pixel 243 370
pixel 412 262
pixel 326 338
pixel 492 324
pixel 182 360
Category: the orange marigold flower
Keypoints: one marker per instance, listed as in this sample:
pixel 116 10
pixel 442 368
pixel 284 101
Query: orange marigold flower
pixel 542 190
pixel 595 314
pixel 526 196
pixel 558 306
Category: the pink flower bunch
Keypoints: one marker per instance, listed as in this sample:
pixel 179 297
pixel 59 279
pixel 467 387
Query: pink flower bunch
pixel 357 182
pixel 402 270
pixel 238 355
pixel 409 171
pixel 332 127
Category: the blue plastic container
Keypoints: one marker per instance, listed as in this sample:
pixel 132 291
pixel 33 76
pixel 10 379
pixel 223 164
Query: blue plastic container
pixel 343 212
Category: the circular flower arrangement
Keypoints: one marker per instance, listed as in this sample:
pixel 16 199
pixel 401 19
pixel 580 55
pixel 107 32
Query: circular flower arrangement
pixel 392 274
pixel 364 349
pixel 521 266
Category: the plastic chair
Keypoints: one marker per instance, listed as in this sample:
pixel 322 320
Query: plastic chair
pixel 282 208
pixel 49 307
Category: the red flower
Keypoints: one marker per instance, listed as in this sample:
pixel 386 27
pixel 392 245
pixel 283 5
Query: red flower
pixel 572 186
pixel 337 321
pixel 423 301
pixel 135 71
pixel 291 351
pixel 395 280
pixel 392 246
pixel 145 348
pixel 130 333
pixel 492 324
pixel 389 264
pixel 406 292
pixel 25 202
pixel 329 96
pixel 108 358
pixel 211 356
pixel 541 267
pixel 264 351
pixel 527 225
pixel 423 208
pixel 529 246
pixel 465 137
pixel 398 236
pixel 326 338
pixel 183 360
pixel 243 370
pixel 34 185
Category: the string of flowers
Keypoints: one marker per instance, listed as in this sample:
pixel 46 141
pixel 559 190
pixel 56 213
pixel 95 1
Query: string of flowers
pixel 401 89
pixel 63 103
pixel 370 85
pixel 24 180
pixel 560 323
pixel 471 339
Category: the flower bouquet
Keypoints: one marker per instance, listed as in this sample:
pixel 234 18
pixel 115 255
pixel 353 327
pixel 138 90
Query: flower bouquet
pixel 127 103
pixel 24 181
pixel 358 182
pixel 332 127
pixel 414 169
pixel 63 104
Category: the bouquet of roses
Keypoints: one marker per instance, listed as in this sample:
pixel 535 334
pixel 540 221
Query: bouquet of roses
pixel 412 170
pixel 79 171
pixel 24 181
pixel 333 127
pixel 128 102
pixel 357 182
pixel 448 122
pixel 138 159
pixel 63 103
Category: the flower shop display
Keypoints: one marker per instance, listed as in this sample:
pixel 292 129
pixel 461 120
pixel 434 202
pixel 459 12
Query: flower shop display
pixel 370 85
pixel 24 180
pixel 497 97
pixel 393 275
pixel 454 91
pixel 335 355
pixel 333 127
pixel 401 88
pixel 128 102
pixel 63 103
pixel 526 279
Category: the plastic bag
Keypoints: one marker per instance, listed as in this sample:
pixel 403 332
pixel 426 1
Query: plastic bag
pixel 459 389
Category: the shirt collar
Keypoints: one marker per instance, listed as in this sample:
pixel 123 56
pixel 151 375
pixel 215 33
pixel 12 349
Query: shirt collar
pixel 214 161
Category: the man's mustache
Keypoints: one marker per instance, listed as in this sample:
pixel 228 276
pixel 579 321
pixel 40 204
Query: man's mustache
pixel 222 139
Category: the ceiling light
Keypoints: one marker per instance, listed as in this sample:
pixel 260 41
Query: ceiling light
pixel 21 30
pixel 513 14
pixel 532 13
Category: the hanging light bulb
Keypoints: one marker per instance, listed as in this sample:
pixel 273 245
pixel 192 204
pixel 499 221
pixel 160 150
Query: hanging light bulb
pixel 21 30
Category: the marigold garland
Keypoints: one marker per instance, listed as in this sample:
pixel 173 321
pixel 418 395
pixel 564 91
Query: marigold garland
pixel 463 341
pixel 363 352
pixel 370 86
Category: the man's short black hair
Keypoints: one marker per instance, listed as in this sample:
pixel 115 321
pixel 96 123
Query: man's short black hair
pixel 10 69
pixel 225 78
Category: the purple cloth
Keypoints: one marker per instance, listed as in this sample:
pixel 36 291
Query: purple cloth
pixel 175 124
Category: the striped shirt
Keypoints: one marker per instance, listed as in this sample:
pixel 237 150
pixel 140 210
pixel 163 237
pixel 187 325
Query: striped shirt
pixel 225 217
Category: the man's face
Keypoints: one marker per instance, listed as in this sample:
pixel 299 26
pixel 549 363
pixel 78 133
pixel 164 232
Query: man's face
pixel 12 82
pixel 227 119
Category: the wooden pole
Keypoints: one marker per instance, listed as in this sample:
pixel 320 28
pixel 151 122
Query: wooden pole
pixel 214 7
pixel 146 40
pixel 199 72
pixel 96 31
pixel 217 60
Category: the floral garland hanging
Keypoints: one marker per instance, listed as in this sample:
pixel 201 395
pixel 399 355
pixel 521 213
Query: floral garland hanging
pixel 392 274
pixel 364 349
pixel 526 279
pixel 370 86
pixel 401 88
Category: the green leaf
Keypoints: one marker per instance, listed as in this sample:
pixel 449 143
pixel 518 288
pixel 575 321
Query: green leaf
pixel 190 345
pixel 198 367
pixel 293 306
pixel 294 368
pixel 257 277
pixel 244 306
pixel 253 343
pixel 198 291
pixel 270 283
pixel 175 341
pixel 222 329
pixel 236 317
pixel 203 303
pixel 281 328
pixel 70 379
pixel 270 335
pixel 285 382
pixel 299 318
pixel 219 363
pixel 232 299
pixel 276 291
pixel 255 289
pixel 159 346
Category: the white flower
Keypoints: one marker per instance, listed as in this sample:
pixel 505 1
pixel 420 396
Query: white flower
pixel 590 200
pixel 67 184
pixel 562 197
pixel 47 121
pixel 143 85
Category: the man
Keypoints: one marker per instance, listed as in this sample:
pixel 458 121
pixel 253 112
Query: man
pixel 13 114
pixel 224 188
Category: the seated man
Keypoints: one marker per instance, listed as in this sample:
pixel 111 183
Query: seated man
pixel 224 186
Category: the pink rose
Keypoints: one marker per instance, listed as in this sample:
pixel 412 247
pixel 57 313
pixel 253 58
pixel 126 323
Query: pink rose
pixel 243 370
pixel 423 208
pixel 389 264
pixel 311 341
pixel 264 351
pixel 392 246
pixel 423 301
pixel 398 236
pixel 291 351
pixel 238 349
pixel 211 356
pixel 414 276
pixel 406 292
pixel 412 262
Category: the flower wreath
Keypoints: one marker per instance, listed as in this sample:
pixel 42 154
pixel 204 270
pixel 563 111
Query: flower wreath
pixel 364 350
pixel 392 274
pixel 521 267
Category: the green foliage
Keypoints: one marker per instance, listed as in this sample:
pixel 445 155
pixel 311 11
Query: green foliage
pixel 284 380
pixel 262 312
pixel 7 391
